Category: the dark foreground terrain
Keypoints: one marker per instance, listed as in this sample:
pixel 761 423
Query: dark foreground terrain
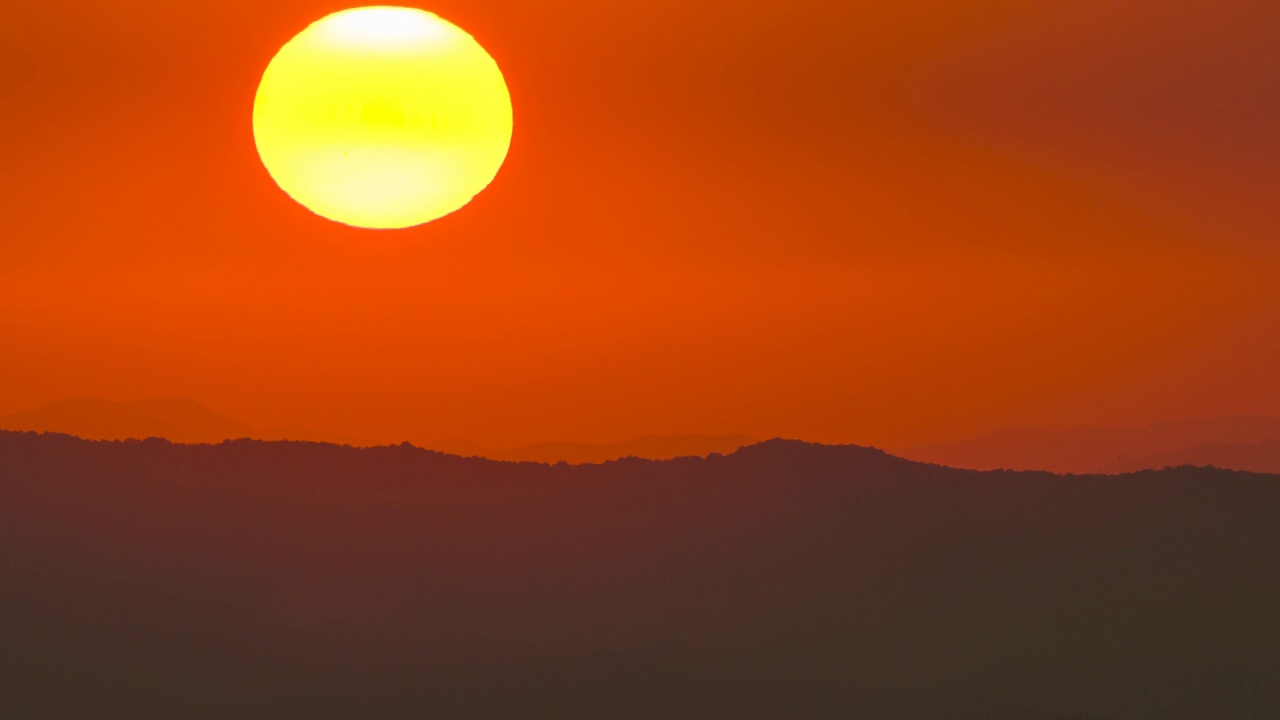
pixel 251 579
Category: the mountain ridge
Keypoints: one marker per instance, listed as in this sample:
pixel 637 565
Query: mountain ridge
pixel 278 578
pixel 1263 457
pixel 770 452
pixel 184 420
pixel 1091 449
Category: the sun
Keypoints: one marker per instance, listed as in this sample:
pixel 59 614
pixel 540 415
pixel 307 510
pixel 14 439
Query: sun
pixel 382 117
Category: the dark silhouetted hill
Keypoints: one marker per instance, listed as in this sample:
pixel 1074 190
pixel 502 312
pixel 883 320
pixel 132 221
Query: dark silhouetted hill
pixel 1094 449
pixel 254 579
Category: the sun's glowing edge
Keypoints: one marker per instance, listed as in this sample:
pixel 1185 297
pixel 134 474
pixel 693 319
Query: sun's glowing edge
pixel 327 160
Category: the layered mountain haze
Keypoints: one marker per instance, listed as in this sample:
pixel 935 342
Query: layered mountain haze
pixel 1261 457
pixel 1236 443
pixel 181 420
pixel 176 419
pixel 184 420
pixel 649 447
pixel 1014 263
pixel 147 579
pixel 1110 449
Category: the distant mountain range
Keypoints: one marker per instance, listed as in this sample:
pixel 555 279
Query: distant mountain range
pixel 649 447
pixel 184 420
pixel 177 419
pixel 1241 443
pixel 253 579
pixel 1238 443
pixel 180 420
pixel 1263 457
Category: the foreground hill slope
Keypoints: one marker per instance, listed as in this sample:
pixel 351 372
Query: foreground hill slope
pixel 785 580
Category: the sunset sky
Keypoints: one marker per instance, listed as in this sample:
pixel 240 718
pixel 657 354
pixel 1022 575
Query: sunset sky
pixel 843 221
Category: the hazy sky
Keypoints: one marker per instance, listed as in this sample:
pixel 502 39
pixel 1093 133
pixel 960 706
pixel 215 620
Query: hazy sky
pixel 845 221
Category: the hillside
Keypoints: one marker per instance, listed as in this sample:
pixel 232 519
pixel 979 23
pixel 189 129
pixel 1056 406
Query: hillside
pixel 147 579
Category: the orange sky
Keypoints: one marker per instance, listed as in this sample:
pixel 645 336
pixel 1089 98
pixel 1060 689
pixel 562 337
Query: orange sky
pixel 844 221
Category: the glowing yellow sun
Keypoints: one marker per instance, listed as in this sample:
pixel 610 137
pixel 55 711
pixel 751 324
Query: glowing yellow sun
pixel 382 117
